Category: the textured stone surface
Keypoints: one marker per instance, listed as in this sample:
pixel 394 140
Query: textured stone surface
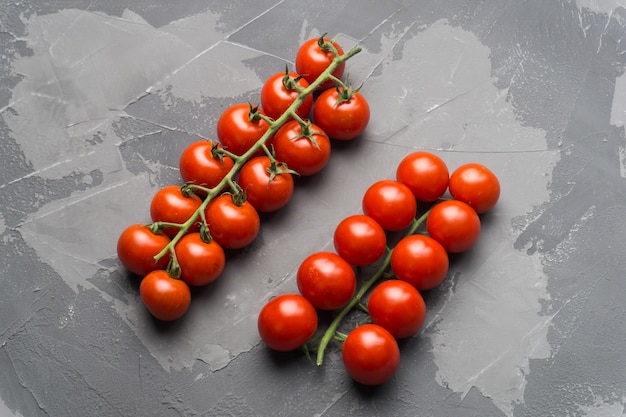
pixel 98 100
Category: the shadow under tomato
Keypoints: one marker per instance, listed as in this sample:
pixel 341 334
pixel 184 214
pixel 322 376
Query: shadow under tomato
pixel 169 328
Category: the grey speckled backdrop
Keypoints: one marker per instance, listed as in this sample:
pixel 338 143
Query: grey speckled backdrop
pixel 98 99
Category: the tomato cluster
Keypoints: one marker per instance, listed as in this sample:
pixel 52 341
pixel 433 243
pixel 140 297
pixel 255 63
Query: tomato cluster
pixel 418 262
pixel 248 170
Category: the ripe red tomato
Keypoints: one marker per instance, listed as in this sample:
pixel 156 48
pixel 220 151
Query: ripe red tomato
pixel 198 165
pixel 341 120
pixel 287 322
pixel 166 298
pixel 326 280
pixel 454 224
pixel 425 174
pixel 170 205
pixel 232 226
pixel 475 185
pixel 391 204
pixel 263 194
pixel 421 261
pixel 306 156
pixel 137 246
pixel 370 354
pixel 312 60
pixel 238 129
pixel 277 96
pixel 398 307
pixel 360 240
pixel 200 262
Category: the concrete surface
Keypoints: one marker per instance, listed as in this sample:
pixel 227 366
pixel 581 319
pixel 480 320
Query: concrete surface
pixel 98 99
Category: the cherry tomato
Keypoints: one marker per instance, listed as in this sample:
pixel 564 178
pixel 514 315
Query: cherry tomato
pixel 370 354
pixel 200 262
pixel 277 96
pixel 360 240
pixel 326 280
pixel 199 166
pixel 391 204
pixel 475 185
pixel 232 226
pixel 169 204
pixel 425 174
pixel 238 128
pixel 305 155
pixel 166 298
pixel 398 307
pixel 264 194
pixel 341 120
pixel 287 322
pixel 421 261
pixel 454 224
pixel 312 60
pixel 137 246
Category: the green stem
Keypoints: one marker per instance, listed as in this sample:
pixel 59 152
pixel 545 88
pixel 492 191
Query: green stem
pixel 242 159
pixel 329 334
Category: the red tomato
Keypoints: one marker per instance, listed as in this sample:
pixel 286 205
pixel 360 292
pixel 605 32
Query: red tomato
pixel 238 129
pixel 305 155
pixel 166 298
pixel 287 322
pixel 312 59
pixel 475 185
pixel 370 354
pixel 398 307
pixel 425 174
pixel 232 226
pixel 198 165
pixel 326 280
pixel 360 240
pixel 263 194
pixel 341 120
pixel 277 96
pixel 421 261
pixel 391 204
pixel 200 262
pixel 170 205
pixel 454 224
pixel 137 246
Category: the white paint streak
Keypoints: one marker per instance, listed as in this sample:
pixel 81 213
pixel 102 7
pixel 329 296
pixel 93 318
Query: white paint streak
pixel 487 329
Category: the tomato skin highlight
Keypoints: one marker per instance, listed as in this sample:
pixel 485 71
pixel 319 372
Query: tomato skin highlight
pixel 230 225
pixel 137 246
pixel 391 204
pixel 326 280
pixel 344 120
pixel 200 262
pixel 198 166
pixel 265 195
pixel 360 240
pixel 311 61
pixel 425 174
pixel 300 153
pixel 475 185
pixel 287 322
pixel 454 224
pixel 420 261
pixel 236 132
pixel 398 307
pixel 170 205
pixel 166 298
pixel 370 354
pixel 276 98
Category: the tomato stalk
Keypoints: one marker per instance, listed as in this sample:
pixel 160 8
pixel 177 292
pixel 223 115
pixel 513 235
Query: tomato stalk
pixel 331 332
pixel 240 160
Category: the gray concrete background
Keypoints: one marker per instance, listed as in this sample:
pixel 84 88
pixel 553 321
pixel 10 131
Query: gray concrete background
pixel 98 100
